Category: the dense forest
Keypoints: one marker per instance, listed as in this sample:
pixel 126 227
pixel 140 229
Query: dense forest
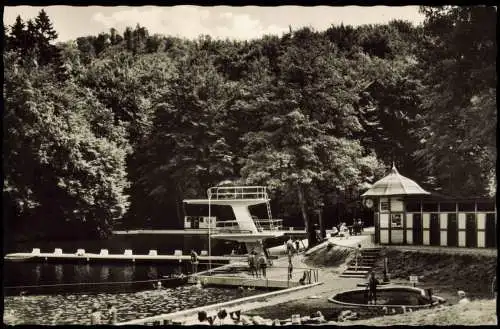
pixel 114 130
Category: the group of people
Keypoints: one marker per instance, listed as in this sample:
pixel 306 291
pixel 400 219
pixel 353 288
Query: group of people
pixel 357 227
pixel 292 246
pixel 345 231
pixel 97 318
pixel 236 318
pixel 257 263
pixel 221 318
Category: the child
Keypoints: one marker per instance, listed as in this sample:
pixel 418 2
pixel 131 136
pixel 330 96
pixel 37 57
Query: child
pixel 112 314
pixel 95 316
pixel 372 289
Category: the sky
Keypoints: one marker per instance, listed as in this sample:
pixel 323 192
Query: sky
pixel 240 23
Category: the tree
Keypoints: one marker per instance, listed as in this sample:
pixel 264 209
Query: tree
pixel 305 134
pixel 187 151
pixel 458 64
pixel 17 35
pixel 61 144
pixel 44 35
pixel 86 48
pixel 129 39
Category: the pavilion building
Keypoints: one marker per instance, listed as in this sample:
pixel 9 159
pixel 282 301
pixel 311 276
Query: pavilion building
pixel 406 214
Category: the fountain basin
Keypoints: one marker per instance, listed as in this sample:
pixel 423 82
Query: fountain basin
pixel 390 297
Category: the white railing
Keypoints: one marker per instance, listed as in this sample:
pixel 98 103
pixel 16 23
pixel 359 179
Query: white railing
pixel 228 226
pixel 237 192
pixel 269 224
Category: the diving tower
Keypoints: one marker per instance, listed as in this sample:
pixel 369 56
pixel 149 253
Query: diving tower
pixel 245 228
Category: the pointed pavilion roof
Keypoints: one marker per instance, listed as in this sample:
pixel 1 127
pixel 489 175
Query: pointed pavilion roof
pixel 394 184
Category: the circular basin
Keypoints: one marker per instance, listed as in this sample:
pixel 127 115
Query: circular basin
pixel 393 296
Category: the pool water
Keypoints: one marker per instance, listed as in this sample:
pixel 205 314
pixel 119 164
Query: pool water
pixel 65 293
pixel 393 296
pixel 75 308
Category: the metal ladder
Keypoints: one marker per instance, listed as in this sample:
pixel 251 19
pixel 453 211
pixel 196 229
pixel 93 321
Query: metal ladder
pixel 269 215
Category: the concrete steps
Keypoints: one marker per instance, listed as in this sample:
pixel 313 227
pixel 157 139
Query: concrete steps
pixel 360 268
pixel 368 258
pixel 359 276
pixel 355 272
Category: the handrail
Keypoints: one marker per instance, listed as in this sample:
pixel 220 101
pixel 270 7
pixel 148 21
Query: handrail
pixel 237 192
pixel 268 220
pixel 229 230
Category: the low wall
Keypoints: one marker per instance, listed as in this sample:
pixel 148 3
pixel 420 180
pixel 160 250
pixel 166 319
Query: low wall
pixel 257 283
pixel 230 306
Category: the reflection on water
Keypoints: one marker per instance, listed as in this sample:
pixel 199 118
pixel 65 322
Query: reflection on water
pixel 128 273
pixel 59 273
pixel 152 273
pixel 104 273
pixel 38 272
pixel 82 273
pixel 48 278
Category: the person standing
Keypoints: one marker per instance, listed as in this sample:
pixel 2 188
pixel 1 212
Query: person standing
pixel 358 256
pixel 289 245
pixel 251 263
pixel 194 262
pixel 290 270
pixel 263 264
pixel 297 245
pixel 372 289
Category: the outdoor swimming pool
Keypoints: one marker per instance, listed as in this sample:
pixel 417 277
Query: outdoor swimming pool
pixel 75 309
pixel 70 294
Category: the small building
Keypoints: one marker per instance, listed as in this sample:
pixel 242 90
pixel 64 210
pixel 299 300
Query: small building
pixel 406 214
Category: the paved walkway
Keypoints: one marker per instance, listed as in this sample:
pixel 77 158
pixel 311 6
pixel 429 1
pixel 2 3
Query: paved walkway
pixel 332 282
pixel 330 276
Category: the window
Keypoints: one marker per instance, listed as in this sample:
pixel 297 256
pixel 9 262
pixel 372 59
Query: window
pixel 413 206
pixel 447 207
pixel 384 206
pixel 430 206
pixel 396 220
pixel 466 206
pixel 485 206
